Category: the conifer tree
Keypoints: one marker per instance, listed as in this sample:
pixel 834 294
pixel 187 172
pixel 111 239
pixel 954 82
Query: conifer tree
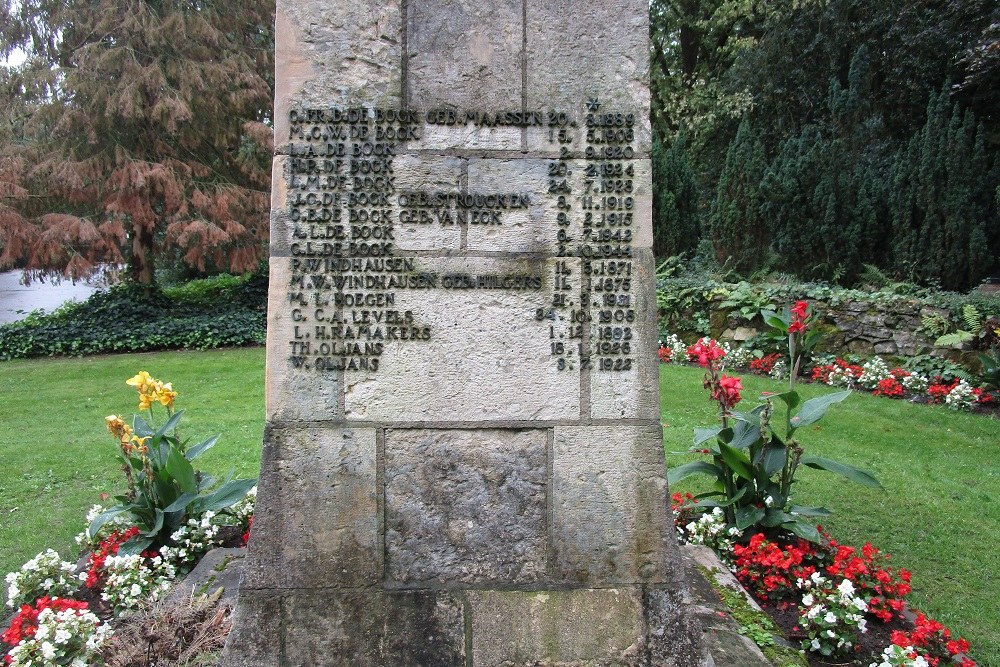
pixel 153 133
pixel 941 201
pixel 675 200
pixel 737 226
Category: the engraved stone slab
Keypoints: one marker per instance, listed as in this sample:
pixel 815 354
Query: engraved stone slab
pixel 465 506
pixel 323 629
pixel 490 333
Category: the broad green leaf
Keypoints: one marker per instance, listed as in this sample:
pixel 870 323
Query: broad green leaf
pixel 205 481
pixel 170 424
pixel 140 427
pixel 225 496
pixel 737 461
pixel 809 511
pixel 774 459
pixel 862 477
pixel 104 517
pixel 202 447
pixel 744 435
pixel 181 470
pixel 725 503
pixel 134 546
pixel 814 409
pixel 675 475
pixel 703 434
pixel 748 516
pixel 789 398
pixel 774 516
pixel 806 531
pixel 157 524
pixel 181 502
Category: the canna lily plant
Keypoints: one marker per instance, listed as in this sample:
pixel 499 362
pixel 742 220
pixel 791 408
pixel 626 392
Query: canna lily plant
pixel 755 455
pixel 164 489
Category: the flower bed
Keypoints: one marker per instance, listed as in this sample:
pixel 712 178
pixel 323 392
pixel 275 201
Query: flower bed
pixel 169 517
pixel 841 604
pixel 873 376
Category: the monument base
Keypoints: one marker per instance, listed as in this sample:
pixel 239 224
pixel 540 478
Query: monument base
pixel 613 627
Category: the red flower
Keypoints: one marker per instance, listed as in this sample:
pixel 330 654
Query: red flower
pixel 664 354
pixel 765 365
pixel 799 317
pixel 705 351
pixel 246 535
pixel 727 391
pixel 889 387
pixel 108 547
pixel 25 623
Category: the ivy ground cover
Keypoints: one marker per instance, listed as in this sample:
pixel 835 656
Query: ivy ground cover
pixel 938 516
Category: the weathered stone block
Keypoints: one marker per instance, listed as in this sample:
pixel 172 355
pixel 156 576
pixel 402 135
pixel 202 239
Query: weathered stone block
pixel 346 54
pixel 491 334
pixel 582 628
pixel 574 55
pixel 254 639
pixel 610 506
pixel 673 633
pixel 359 628
pixel 316 522
pixel 452 62
pixel 465 506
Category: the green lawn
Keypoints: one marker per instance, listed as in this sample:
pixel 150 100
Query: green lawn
pixel 939 515
pixel 57 457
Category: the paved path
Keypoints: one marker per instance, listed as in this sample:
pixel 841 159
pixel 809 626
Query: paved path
pixel 17 300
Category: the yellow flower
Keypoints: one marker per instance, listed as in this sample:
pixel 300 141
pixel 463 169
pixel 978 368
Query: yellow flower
pixel 139 381
pixel 165 394
pixel 145 400
pixel 116 425
pixel 138 444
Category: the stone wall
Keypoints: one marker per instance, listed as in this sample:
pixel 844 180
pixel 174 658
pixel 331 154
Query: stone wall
pixel 857 327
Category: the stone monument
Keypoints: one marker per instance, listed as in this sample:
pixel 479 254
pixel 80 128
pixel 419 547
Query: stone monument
pixel 463 460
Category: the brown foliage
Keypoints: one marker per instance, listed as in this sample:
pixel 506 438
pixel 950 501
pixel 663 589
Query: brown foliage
pixel 179 634
pixel 152 137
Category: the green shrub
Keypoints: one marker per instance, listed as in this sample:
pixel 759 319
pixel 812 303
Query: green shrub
pixel 219 312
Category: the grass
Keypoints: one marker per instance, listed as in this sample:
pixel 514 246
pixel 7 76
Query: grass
pixel 939 515
pixel 57 457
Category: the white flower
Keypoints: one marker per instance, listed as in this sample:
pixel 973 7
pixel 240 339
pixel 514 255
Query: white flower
pixel 48 651
pixel 807 599
pixel 846 587
pixel 830 618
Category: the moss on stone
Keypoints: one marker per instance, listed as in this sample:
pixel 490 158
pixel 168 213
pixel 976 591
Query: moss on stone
pixel 756 626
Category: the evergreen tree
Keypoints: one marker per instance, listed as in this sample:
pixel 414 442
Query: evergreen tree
pixel 153 133
pixel 821 193
pixel 675 201
pixel 941 203
pixel 737 226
